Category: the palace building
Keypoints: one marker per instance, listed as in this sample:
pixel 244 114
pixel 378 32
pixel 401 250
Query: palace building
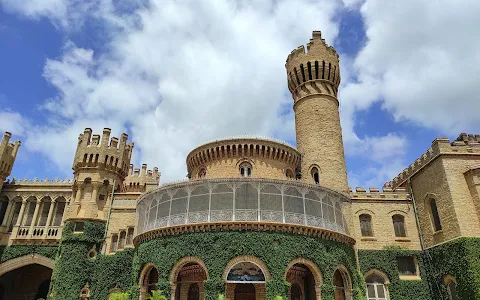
pixel 257 218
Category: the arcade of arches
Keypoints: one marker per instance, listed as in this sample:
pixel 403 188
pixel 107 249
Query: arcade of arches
pixel 29 282
pixel 245 280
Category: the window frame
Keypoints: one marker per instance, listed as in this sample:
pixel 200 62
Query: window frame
pixel 403 228
pixel 434 215
pixel 370 233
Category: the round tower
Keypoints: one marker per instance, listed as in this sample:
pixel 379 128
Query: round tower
pixel 313 79
pixel 98 164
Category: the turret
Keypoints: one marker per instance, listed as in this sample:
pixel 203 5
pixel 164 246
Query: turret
pixel 313 79
pixel 98 164
pixel 8 153
pixel 141 181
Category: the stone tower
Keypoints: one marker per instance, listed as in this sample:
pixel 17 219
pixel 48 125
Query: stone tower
pixel 313 79
pixel 8 153
pixel 97 165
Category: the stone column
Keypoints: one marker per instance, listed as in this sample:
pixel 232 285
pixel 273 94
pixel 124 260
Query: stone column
pixel 20 214
pixel 78 195
pixel 49 218
pixel 7 213
pixel 35 215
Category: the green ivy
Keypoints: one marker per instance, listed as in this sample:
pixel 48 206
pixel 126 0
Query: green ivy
pixel 14 251
pixel 276 250
pixel 459 258
pixel 386 261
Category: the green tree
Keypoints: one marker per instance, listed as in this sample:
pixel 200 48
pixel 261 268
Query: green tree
pixel 156 295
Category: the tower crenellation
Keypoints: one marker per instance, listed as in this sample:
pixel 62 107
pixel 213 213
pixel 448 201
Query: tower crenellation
pixel 141 180
pixel 106 153
pixel 314 70
pixel 100 166
pixel 313 77
pixel 8 153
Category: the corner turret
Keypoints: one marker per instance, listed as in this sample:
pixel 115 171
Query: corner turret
pixel 8 153
pixel 143 181
pixel 98 164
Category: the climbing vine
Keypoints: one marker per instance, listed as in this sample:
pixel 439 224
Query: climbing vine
pixel 276 250
pixel 386 261
pixel 14 251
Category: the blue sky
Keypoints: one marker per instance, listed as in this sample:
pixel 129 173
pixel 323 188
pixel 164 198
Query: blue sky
pixel 169 72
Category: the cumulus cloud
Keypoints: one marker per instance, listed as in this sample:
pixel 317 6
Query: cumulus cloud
pixel 12 122
pixel 422 60
pixel 176 82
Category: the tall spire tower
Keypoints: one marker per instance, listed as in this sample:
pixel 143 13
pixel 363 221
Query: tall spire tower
pixel 313 79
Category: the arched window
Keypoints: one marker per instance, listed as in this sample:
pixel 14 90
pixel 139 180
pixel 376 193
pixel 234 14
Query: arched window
pixel 121 243
pixel 245 169
pixel 29 212
pixel 376 287
pixel 3 208
pixel 434 215
pixel 451 285
pixel 315 175
pixel 59 209
pixel 289 173
pixel 202 173
pixel 399 225
pixel 130 236
pixel 366 225
pixel 152 280
pixel 45 207
pixel 113 245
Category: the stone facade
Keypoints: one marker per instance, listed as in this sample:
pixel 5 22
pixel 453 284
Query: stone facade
pixel 441 190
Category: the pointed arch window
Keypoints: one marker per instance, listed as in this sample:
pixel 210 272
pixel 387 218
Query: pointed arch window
pixel 376 287
pixel 245 169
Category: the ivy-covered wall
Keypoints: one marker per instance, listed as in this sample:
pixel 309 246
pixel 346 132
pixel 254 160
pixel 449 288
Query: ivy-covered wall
pixel 386 261
pixel 459 258
pixel 73 267
pixel 276 250
pixel 14 251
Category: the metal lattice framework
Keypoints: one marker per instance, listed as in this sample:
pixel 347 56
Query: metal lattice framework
pixel 227 200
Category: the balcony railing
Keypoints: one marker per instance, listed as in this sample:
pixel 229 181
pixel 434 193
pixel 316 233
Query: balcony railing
pixel 37 232
pixel 241 200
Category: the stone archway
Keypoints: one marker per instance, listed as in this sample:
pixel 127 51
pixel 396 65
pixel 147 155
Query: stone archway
pixel 16 279
pixel 306 276
pixel 342 283
pixel 246 276
pixel 186 279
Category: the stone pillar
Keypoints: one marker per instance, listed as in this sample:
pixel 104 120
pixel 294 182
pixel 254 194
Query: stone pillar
pixel 49 218
pixel 35 215
pixel 20 214
pixel 78 195
pixel 7 213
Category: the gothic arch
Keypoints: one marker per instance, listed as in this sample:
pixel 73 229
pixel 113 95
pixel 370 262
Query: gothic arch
pixel 317 274
pixel 26 260
pixel 386 281
pixel 346 281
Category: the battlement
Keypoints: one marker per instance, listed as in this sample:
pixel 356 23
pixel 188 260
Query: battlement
pixel 318 66
pixel 36 181
pixel 465 144
pixel 8 153
pixel 141 180
pixel 108 153
pixel 361 193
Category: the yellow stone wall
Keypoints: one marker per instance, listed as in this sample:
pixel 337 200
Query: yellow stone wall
pixel 222 159
pixel 382 206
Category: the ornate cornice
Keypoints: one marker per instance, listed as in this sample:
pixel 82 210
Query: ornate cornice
pixel 243 226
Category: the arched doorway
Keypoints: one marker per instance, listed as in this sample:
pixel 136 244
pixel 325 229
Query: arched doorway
pixel 246 281
pixel 20 284
pixel 305 280
pixel 148 281
pixel 342 284
pixel 189 281
pixel 244 291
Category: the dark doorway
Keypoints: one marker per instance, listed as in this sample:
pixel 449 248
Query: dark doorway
pixel 43 290
pixel 244 291
pixel 27 282
pixel 295 293
pixel 194 292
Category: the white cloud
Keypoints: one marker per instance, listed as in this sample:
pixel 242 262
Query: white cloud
pixel 174 82
pixel 422 59
pixel 12 122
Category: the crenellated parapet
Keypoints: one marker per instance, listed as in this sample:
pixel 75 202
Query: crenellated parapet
pixel 387 194
pixel 36 181
pixel 465 144
pixel 8 153
pixel 315 71
pixel 266 158
pixel 110 154
pixel 141 180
